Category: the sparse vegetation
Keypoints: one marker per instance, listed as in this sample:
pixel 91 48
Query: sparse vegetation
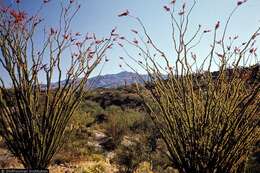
pixel 184 119
pixel 33 126
pixel 208 121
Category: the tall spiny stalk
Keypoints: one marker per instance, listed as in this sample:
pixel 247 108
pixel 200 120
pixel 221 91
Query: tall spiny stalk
pixel 208 122
pixel 33 125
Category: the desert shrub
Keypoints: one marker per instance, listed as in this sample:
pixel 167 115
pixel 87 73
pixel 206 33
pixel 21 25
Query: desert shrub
pixel 35 122
pixel 129 157
pixel 207 120
pixel 116 97
pixel 96 157
pixel 116 126
pixel 144 167
pixel 91 107
pixel 94 168
pixel 75 146
pixel 86 114
pixel 121 122
pixel 96 163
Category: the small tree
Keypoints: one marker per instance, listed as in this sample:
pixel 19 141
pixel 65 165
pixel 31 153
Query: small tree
pixel 33 125
pixel 208 121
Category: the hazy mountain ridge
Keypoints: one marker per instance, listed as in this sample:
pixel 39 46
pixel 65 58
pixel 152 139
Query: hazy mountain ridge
pixel 116 80
pixel 127 78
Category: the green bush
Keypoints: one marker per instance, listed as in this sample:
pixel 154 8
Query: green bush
pixel 121 122
pixel 86 114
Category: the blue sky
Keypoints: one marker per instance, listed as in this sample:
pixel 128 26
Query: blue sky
pixel 100 16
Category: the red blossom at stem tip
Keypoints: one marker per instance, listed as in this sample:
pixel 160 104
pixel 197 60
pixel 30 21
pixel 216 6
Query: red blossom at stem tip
pixel 228 47
pixel 181 13
pixel 255 35
pixel 173 1
pixel 219 55
pixel 78 44
pixel 18 16
pixel 98 41
pixel 46 1
pixel 4 9
pixel 134 31
pixel 120 44
pixel 193 55
pixel 126 13
pixel 114 29
pixel 71 1
pixel 66 36
pixel 110 46
pixel 253 50
pixel 217 25
pixel 241 2
pixel 166 8
pixel 114 34
pixel 183 6
pixel 135 41
pixel 237 50
pixel 218 42
pixel 53 31
pixel 17 1
pixel 236 37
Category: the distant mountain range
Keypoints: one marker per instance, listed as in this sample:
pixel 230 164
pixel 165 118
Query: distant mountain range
pixel 127 78
pixel 111 80
pixel 116 80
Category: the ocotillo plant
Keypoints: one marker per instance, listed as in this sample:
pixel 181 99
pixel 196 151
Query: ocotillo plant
pixel 37 106
pixel 208 121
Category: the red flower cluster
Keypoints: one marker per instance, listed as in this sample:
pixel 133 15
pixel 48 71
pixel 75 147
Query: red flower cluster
pixel 18 16
pixel 66 36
